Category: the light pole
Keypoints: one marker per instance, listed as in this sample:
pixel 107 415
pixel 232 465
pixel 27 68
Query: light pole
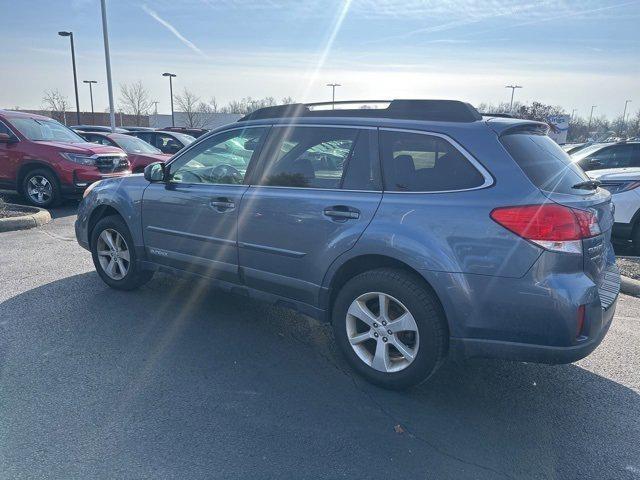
pixel 573 113
pixel 513 90
pixel 591 116
pixel 155 107
pixel 75 77
pixel 624 114
pixel 171 75
pixel 107 61
pixel 333 93
pixel 90 83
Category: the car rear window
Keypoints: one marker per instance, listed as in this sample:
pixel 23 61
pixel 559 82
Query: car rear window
pixel 548 166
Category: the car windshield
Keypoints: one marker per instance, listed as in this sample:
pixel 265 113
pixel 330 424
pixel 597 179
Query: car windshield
pixel 184 138
pixel 48 130
pixel 134 145
pixel 585 152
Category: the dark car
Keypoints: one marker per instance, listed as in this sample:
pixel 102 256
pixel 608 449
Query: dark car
pixel 96 128
pixel 140 153
pixel 602 156
pixel 194 132
pixel 138 129
pixel 44 160
pixel 167 142
pixel 421 230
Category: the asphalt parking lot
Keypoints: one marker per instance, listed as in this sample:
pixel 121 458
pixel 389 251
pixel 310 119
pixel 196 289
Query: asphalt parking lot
pixel 178 380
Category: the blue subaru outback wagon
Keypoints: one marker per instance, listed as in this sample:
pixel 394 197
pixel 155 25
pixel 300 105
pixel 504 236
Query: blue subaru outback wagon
pixel 420 230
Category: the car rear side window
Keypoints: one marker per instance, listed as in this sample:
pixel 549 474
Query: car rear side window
pixel 320 157
pixel 416 162
pixel 548 166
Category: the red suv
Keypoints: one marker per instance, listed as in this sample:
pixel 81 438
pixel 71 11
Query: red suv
pixel 44 160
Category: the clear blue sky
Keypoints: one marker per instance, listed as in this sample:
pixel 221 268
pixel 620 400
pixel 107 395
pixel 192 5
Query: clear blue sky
pixel 573 53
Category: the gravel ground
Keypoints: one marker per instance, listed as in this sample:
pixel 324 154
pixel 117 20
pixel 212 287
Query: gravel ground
pixel 629 267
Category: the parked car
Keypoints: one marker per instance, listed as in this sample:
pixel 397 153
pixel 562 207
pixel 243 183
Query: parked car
pixel 573 147
pixel 138 129
pixel 194 132
pixel 421 231
pixel 624 185
pixel 602 156
pixel 140 153
pixel 167 142
pixel 44 160
pixel 96 128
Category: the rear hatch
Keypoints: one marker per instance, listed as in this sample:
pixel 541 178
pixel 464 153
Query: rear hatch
pixel 565 183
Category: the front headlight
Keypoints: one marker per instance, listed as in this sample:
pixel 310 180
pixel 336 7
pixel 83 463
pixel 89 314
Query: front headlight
pixel 79 158
pixel 89 188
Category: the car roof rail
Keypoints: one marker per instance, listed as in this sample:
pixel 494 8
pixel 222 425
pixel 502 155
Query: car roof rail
pixel 430 110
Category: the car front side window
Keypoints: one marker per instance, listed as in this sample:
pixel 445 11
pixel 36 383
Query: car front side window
pixel 221 159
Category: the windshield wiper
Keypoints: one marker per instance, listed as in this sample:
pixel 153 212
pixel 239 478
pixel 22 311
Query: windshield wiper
pixel 588 185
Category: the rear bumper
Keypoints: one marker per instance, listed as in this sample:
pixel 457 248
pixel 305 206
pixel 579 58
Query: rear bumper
pixel 462 348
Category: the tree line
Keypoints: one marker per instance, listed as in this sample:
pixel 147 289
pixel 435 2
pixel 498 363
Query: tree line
pixel 135 100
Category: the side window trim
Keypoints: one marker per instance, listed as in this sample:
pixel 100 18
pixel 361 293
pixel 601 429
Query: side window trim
pixel 10 130
pixel 488 178
pixel 250 168
pixel 263 157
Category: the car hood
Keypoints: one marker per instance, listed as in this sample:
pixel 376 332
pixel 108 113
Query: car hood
pixel 156 157
pixel 608 174
pixel 85 148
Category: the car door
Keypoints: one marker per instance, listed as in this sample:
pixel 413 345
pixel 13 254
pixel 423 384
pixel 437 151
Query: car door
pixel 316 190
pixel 11 156
pixel 189 221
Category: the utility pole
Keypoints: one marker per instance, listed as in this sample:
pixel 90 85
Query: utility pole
pixel 75 77
pixel 333 93
pixel 513 90
pixel 171 76
pixel 90 82
pixel 591 116
pixel 573 113
pixel 107 59
pixel 624 115
pixel 155 107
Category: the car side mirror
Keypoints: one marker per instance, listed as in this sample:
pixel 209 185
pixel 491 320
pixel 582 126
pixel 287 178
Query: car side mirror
pixel 6 138
pixel 154 172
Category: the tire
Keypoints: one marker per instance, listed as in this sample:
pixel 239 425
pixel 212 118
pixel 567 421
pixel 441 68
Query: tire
pixel 120 271
pixel 40 187
pixel 635 239
pixel 404 291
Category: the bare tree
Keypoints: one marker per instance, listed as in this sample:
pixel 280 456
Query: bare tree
pixel 135 100
pixel 196 111
pixel 57 104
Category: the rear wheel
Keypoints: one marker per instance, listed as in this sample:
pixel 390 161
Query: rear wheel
pixel 635 238
pixel 390 327
pixel 41 188
pixel 114 255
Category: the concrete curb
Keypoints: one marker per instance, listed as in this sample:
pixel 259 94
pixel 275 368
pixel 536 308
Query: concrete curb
pixel 629 286
pixel 33 218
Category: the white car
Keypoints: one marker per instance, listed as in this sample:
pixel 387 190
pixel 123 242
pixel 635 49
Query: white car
pixel 624 185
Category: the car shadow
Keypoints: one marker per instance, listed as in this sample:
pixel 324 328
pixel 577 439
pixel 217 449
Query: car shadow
pixel 67 207
pixel 168 374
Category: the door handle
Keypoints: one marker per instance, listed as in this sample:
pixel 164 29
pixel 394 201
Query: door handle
pixel 340 212
pixel 222 204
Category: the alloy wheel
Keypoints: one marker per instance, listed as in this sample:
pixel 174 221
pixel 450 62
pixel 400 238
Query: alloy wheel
pixel 39 189
pixel 113 254
pixel 382 332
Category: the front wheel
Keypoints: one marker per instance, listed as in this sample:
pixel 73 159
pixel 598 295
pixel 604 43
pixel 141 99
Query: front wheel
pixel 40 187
pixel 114 255
pixel 390 327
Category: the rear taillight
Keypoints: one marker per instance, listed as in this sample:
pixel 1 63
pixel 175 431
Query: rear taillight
pixel 551 226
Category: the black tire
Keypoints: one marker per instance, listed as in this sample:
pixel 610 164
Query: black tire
pixel 56 195
pixel 424 307
pixel 135 277
pixel 635 239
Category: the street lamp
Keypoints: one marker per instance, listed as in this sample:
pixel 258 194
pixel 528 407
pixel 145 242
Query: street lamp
pixel 171 75
pixel 90 82
pixel 107 61
pixel 513 90
pixel 591 116
pixel 333 93
pixel 75 77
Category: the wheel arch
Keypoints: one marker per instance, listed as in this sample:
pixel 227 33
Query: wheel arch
pixel 364 262
pixel 100 212
pixel 33 165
